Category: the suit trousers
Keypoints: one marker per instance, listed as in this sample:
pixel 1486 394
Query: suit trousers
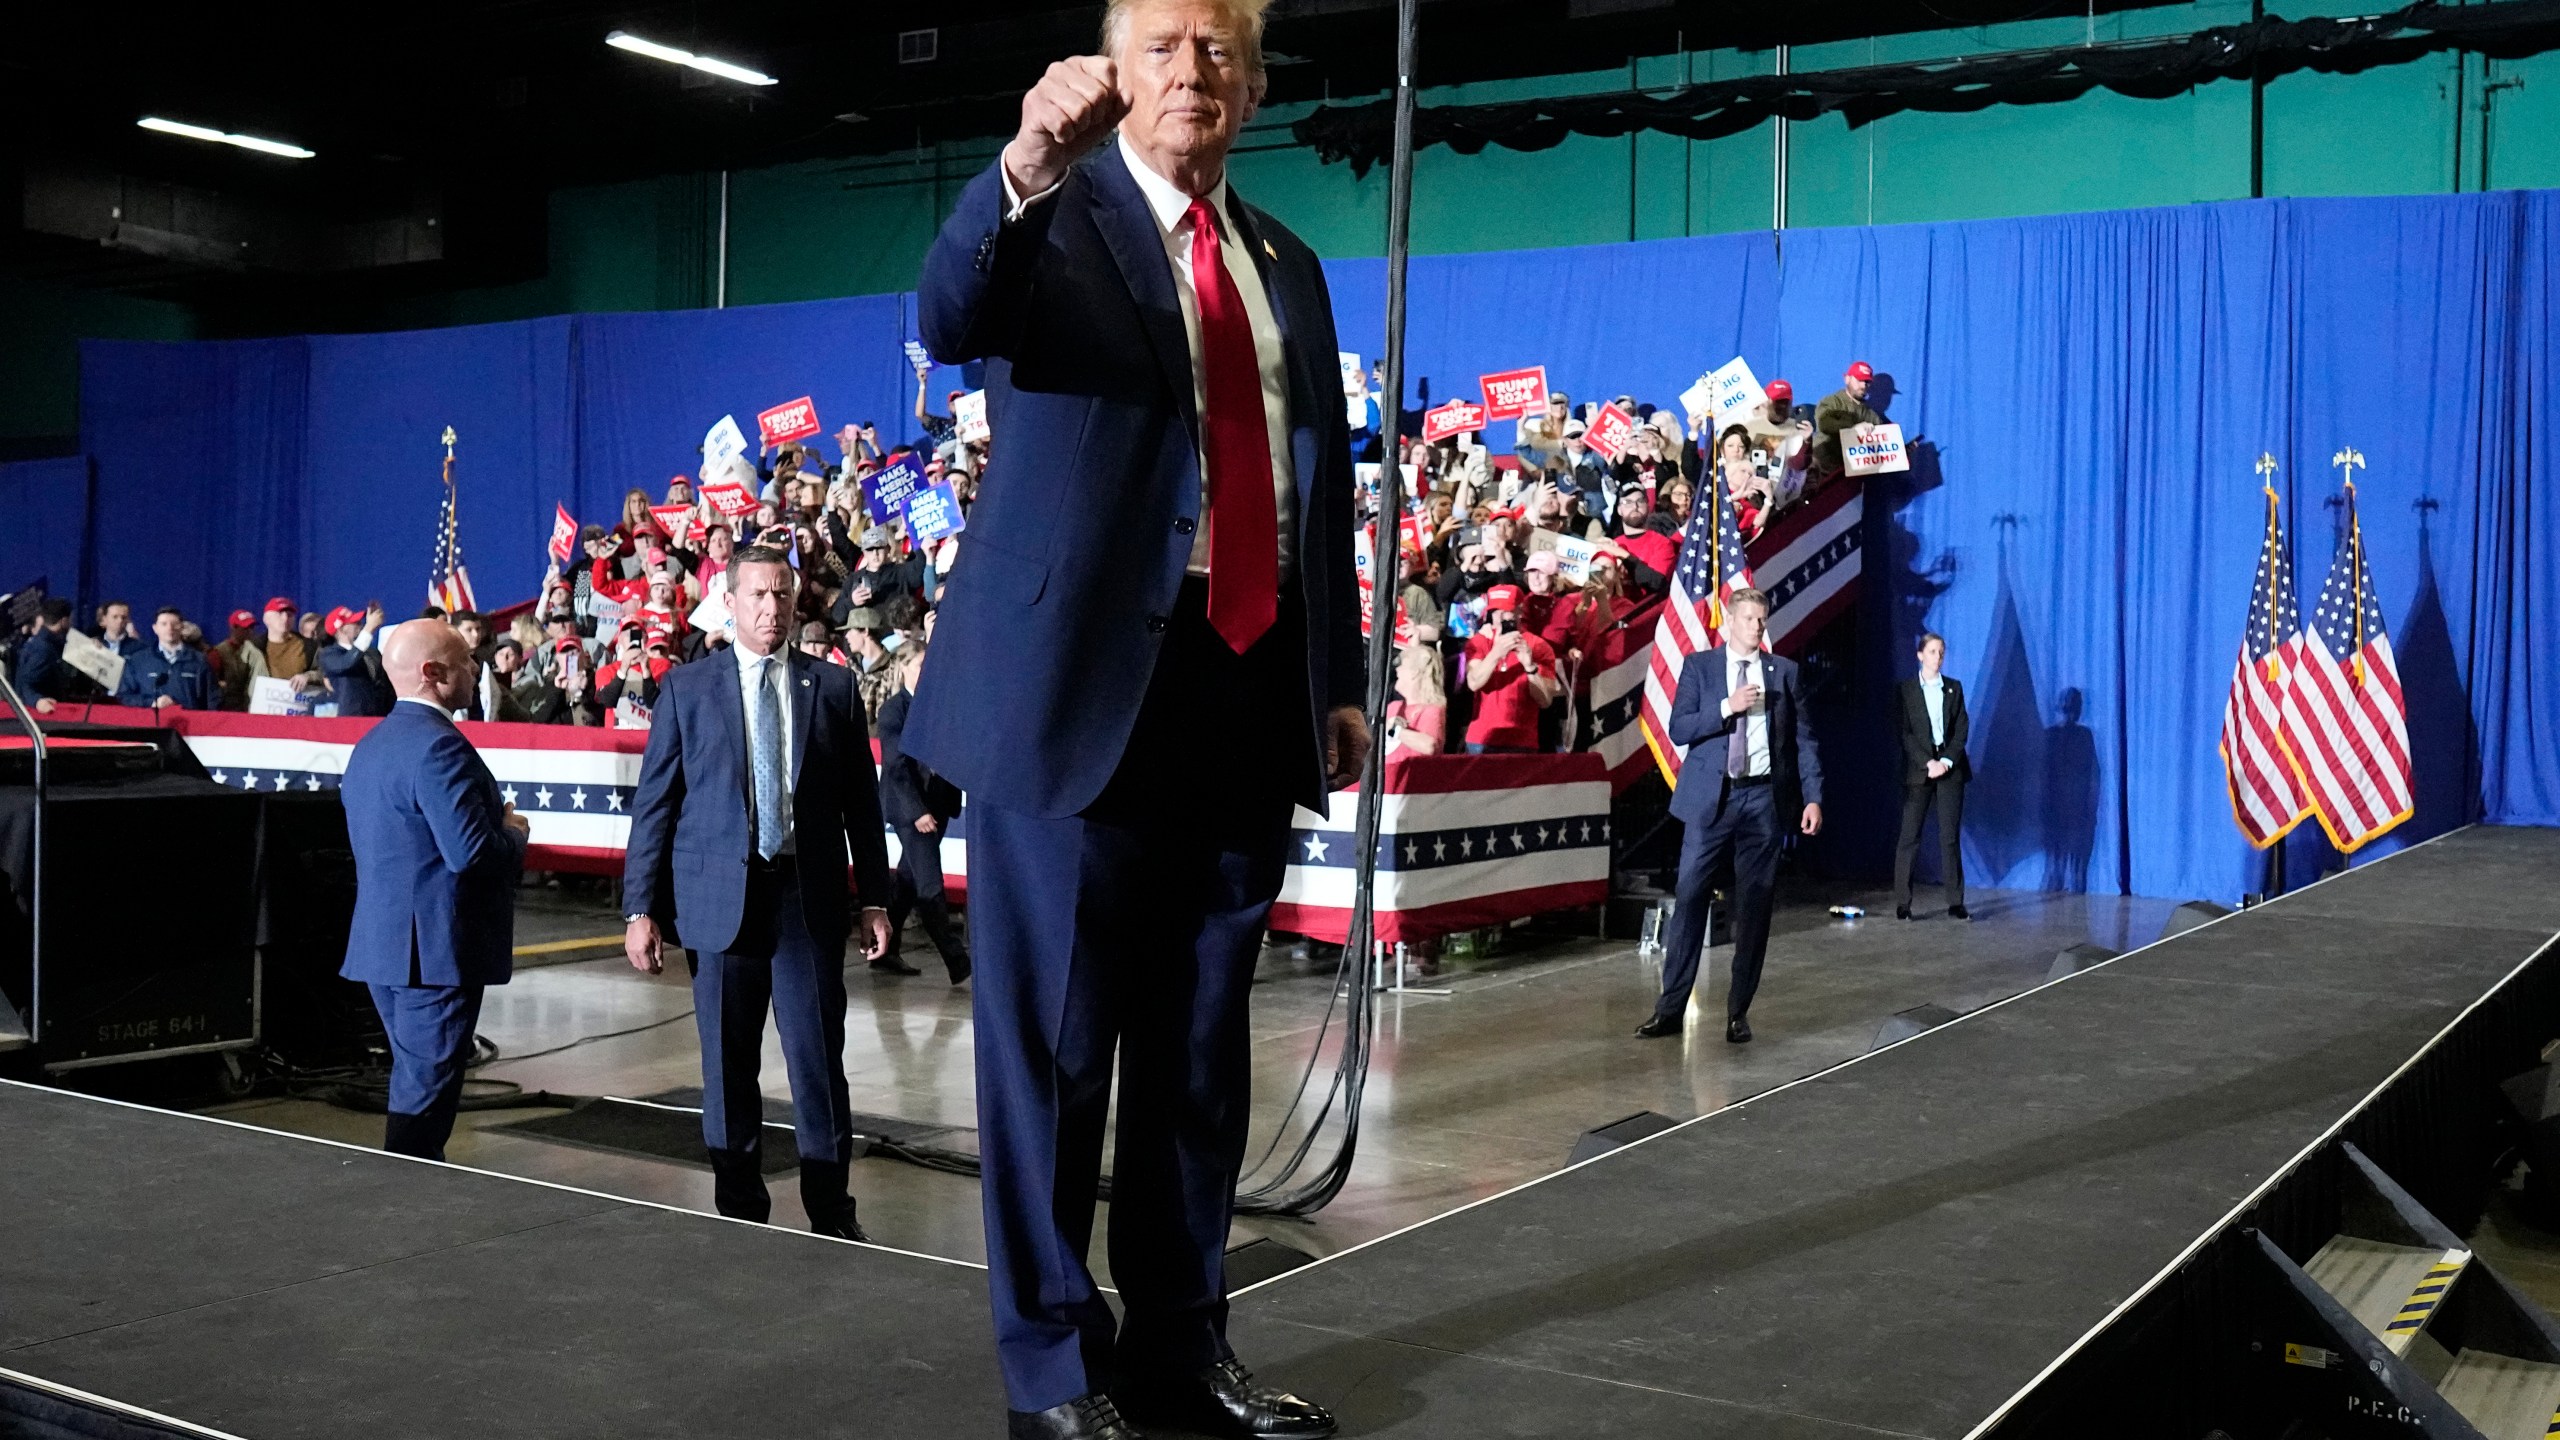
pixel 919 889
pixel 1134 926
pixel 774 962
pixel 1744 834
pixel 1947 791
pixel 429 1027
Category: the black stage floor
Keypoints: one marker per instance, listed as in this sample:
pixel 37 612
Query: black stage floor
pixel 1897 1245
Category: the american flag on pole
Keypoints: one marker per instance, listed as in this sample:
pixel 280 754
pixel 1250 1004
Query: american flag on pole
pixel 2345 723
pixel 1808 562
pixel 2267 795
pixel 448 583
pixel 1710 568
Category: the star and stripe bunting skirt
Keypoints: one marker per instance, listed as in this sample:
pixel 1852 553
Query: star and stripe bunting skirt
pixel 1467 841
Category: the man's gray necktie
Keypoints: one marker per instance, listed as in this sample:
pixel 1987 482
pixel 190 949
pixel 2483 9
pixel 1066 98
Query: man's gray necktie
pixel 1737 747
pixel 767 761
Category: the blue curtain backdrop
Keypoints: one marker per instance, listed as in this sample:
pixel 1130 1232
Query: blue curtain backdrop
pixel 2086 395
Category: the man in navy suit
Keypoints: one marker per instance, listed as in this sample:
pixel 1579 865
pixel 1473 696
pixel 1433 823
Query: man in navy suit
pixel 437 858
pixel 1751 775
pixel 756 796
pixel 1149 650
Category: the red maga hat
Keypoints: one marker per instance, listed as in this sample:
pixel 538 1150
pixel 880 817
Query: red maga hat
pixel 1781 390
pixel 242 620
pixel 1861 370
pixel 1502 597
pixel 281 603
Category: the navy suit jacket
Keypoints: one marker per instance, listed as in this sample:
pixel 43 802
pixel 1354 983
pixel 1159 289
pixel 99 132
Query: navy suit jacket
pixel 187 680
pixel 436 865
pixel 1057 607
pixel 686 865
pixel 1698 719
pixel 355 680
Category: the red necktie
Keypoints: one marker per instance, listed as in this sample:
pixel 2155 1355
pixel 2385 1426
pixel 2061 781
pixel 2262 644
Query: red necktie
pixel 1235 443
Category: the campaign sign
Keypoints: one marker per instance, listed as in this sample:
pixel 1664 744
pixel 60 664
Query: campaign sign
pixel 730 499
pixel 1510 394
pixel 1355 376
pixel 1732 388
pixel 789 420
pixel 919 357
pixel 933 514
pixel 676 520
pixel 1610 432
pixel 1872 450
pixel 723 443
pixel 1574 557
pixel 892 486
pixel 1455 418
pixel 564 534
pixel 969 415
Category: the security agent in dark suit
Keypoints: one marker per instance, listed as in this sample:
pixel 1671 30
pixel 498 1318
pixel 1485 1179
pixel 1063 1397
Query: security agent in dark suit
pixel 756 794
pixel 1930 714
pixel 1752 774
pixel 919 805
pixel 1149 649
pixel 437 857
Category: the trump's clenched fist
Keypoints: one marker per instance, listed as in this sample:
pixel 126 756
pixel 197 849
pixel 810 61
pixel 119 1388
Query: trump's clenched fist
pixel 1069 112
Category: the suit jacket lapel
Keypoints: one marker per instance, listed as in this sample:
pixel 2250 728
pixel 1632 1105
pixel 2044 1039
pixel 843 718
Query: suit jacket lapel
pixel 1303 419
pixel 1129 229
pixel 802 695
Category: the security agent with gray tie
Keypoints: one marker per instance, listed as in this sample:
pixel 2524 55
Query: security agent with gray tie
pixel 756 795
pixel 1751 775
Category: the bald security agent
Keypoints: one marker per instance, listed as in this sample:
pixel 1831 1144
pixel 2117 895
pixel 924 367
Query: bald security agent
pixel 1149 650
pixel 437 854
pixel 756 796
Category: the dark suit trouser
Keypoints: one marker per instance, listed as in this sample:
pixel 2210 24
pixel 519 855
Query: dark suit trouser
pixel 1137 924
pixel 1948 791
pixel 774 962
pixel 1745 835
pixel 429 1027
pixel 919 890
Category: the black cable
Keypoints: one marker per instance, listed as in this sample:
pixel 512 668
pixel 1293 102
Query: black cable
pixel 499 1059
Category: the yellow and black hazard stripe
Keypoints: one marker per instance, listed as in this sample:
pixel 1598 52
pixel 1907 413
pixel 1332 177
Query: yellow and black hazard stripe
pixel 2422 1302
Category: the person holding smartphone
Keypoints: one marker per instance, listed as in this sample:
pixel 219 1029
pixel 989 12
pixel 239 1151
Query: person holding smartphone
pixel 1513 676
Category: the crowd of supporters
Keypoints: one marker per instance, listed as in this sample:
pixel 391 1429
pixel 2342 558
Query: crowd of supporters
pixel 1496 641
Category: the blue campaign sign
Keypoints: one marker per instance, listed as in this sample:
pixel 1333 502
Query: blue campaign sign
pixel 934 514
pixel 892 486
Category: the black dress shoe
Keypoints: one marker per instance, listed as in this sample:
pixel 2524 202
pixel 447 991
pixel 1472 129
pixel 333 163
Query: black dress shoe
pixel 1901 912
pixel 892 965
pixel 1737 1031
pixel 1657 1026
pixel 1224 1399
pixel 1958 912
pixel 1087 1417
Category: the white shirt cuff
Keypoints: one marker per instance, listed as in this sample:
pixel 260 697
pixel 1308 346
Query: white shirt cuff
pixel 1015 204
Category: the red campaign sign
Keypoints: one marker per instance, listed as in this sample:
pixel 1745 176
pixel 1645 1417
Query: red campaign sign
pixel 1510 394
pixel 676 520
pixel 1610 432
pixel 730 499
pixel 789 420
pixel 1455 418
pixel 564 534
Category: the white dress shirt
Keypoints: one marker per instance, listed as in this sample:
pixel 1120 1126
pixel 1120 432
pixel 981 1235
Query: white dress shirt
pixel 751 670
pixel 1172 211
pixel 1933 697
pixel 1741 670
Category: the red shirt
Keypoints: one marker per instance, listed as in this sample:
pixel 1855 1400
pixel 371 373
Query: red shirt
pixel 1506 713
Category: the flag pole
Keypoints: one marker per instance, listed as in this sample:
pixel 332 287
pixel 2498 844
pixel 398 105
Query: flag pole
pixel 1360 979
pixel 2267 467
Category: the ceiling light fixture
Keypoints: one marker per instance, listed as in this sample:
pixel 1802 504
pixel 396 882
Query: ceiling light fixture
pixel 220 137
pixel 621 40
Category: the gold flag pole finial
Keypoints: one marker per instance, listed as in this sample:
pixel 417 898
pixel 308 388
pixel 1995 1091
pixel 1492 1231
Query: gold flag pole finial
pixel 448 442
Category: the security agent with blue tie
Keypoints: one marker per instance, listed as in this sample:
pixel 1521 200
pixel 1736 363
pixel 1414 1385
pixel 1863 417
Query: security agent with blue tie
pixel 1751 774
pixel 1149 650
pixel 756 795
pixel 437 857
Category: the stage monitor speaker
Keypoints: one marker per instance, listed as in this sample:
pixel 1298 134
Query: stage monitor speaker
pixel 2192 914
pixel 1261 1258
pixel 1618 1134
pixel 2077 958
pixel 1917 1020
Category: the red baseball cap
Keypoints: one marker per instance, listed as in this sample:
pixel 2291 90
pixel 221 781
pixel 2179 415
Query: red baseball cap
pixel 1502 597
pixel 242 620
pixel 1781 390
pixel 281 603
pixel 341 615
pixel 1861 370
pixel 657 555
